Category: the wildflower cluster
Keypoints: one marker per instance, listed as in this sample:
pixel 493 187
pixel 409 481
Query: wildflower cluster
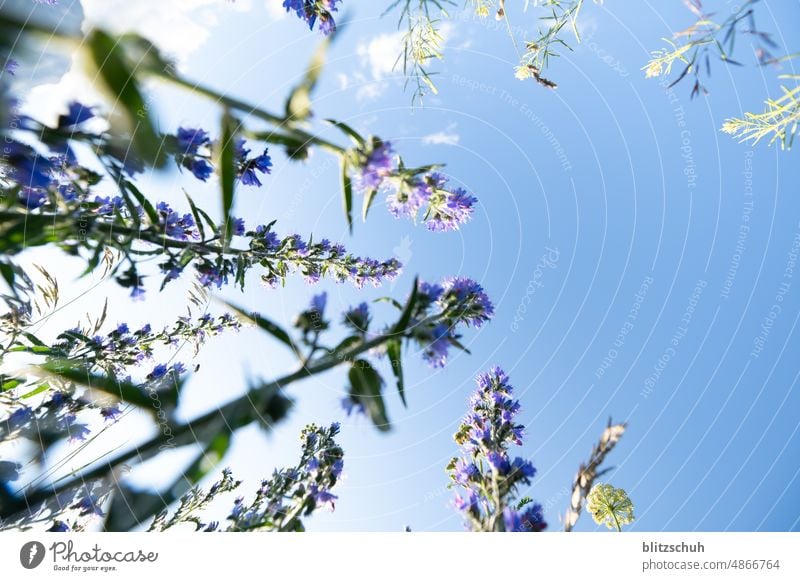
pixel 79 508
pixel 488 476
pixel 75 356
pixel 123 347
pixel 194 150
pixel 56 418
pixel 280 502
pixel 435 314
pixel 311 10
pixel 56 191
pixel 440 309
pixel 538 52
pixel 409 190
pixel 778 122
pixel 610 506
pixel 695 45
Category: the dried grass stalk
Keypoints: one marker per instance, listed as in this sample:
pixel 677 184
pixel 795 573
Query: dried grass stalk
pixel 589 472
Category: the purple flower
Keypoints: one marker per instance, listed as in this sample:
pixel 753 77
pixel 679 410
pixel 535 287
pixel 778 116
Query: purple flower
pixel 309 10
pixel 468 297
pixel 408 199
pixel 89 505
pixel 110 413
pixel 532 520
pixel 318 303
pixel 19 417
pixel 511 519
pixel 201 169
pixel 191 140
pixel 175 225
pixel 28 168
pixel 429 293
pixel 469 503
pixel 238 227
pixel 158 372
pixel 9 471
pixel 268 238
pixel 11 66
pixel 499 461
pixel 485 435
pixel 378 165
pixel 59 526
pixel 323 497
pixel 108 205
pixel 358 318
pixel 77 432
pixel 67 192
pixel 436 351
pixel 495 377
pixel 210 275
pixel 137 293
pixel 351 406
pixel 32 199
pixel 76 114
pixel 453 209
pixel 247 167
pixel 465 471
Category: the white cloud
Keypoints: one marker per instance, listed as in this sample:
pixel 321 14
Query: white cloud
pixel 178 27
pixel 381 54
pixel 371 90
pixel 442 138
pixel 275 9
pixel 447 137
pixel 381 59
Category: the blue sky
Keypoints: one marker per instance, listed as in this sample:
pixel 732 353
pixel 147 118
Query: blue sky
pixel 612 214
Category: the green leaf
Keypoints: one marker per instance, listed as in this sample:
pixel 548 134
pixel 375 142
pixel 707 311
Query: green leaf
pixel 389 300
pixel 198 220
pixel 145 203
pixel 227 169
pixel 347 343
pixel 298 105
pixel 347 130
pixel 347 194
pixel 209 459
pixel 29 230
pixel 7 272
pixel 36 391
pixel 266 325
pixel 9 384
pixel 402 323
pixel 117 76
pixel 123 390
pixel 296 147
pixel 393 350
pixel 365 388
pixel 369 197
pixel 130 507
pixel 145 54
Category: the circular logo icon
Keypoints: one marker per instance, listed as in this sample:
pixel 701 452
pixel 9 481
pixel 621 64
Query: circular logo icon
pixel 31 554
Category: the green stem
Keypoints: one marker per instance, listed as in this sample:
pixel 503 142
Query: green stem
pixel 229 417
pixel 248 109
